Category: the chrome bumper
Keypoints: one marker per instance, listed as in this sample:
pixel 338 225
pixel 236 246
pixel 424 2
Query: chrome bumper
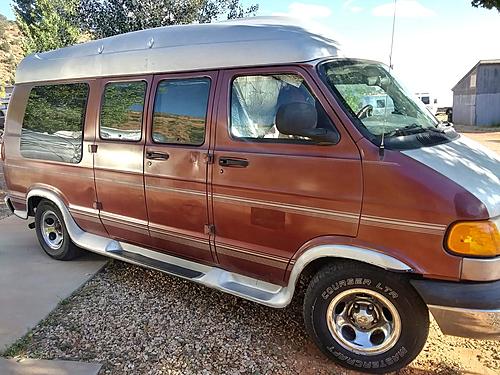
pixel 463 308
pixel 476 324
pixel 481 269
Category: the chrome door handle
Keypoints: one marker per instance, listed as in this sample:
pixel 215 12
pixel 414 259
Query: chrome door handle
pixel 154 155
pixel 234 163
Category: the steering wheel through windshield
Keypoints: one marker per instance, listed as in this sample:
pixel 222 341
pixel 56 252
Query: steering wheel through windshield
pixel 366 111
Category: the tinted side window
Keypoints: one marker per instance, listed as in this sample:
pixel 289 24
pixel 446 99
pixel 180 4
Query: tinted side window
pixel 121 111
pixel 180 111
pixel 255 100
pixel 53 123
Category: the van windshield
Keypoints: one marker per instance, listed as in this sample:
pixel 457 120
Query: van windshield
pixel 374 96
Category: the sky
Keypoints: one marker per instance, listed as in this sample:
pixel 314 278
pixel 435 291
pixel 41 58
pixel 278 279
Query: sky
pixel 436 42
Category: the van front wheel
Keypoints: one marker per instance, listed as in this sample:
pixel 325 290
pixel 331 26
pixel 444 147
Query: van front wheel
pixel 52 233
pixel 364 318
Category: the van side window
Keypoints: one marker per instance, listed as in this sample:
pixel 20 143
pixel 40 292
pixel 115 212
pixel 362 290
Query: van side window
pixel 255 100
pixel 180 111
pixel 53 123
pixel 121 111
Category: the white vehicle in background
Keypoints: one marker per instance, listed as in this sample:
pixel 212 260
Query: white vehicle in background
pixel 430 102
pixel 379 103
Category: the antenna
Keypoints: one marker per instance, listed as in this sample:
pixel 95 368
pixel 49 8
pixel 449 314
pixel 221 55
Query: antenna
pixel 392 37
pixel 382 144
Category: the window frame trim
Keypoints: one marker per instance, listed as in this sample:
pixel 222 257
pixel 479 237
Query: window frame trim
pixel 83 123
pixel 101 102
pixel 158 83
pixel 358 124
pixel 285 71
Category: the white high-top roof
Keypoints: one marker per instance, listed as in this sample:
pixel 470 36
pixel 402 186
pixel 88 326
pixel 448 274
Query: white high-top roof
pixel 246 42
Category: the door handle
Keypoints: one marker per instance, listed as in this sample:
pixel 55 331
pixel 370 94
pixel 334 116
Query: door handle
pixel 234 163
pixel 154 155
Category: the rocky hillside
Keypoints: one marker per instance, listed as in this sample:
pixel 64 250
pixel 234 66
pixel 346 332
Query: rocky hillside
pixel 10 51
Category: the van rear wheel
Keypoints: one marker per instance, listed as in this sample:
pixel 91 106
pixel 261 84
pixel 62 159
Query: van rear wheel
pixel 52 233
pixel 364 318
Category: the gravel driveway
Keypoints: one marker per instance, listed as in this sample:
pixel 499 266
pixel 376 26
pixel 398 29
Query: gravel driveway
pixel 138 321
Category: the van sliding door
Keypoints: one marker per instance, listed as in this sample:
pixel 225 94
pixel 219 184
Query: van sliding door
pixel 175 170
pixel 119 159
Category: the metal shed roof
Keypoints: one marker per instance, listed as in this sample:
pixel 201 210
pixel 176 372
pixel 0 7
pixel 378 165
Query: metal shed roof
pixel 480 62
pixel 246 42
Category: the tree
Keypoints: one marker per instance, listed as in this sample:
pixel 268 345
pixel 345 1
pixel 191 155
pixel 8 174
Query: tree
pixel 490 4
pixel 103 18
pixel 4 49
pixel 47 24
pixel 10 52
pixel 3 26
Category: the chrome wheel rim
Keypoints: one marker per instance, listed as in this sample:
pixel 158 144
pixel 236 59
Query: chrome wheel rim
pixel 52 231
pixel 363 321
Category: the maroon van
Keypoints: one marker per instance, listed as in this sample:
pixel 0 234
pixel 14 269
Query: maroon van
pixel 244 155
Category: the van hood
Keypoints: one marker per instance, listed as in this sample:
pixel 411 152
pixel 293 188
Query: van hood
pixel 467 163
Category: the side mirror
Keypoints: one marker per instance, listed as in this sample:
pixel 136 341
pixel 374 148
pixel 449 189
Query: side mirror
pixel 301 119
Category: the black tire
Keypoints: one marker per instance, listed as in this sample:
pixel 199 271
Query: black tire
pixel 344 278
pixel 65 249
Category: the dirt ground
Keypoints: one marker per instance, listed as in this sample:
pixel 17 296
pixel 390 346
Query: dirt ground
pixel 490 137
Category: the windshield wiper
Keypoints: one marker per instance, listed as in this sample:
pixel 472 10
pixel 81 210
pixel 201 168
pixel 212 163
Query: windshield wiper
pixel 407 130
pixel 442 127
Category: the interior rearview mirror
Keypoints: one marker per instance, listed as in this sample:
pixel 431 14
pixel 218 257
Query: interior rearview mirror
pixel 301 119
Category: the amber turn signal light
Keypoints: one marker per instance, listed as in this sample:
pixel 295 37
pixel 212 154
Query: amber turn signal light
pixel 475 238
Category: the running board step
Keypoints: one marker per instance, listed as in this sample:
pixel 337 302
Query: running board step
pixel 245 290
pixel 160 265
pixel 211 276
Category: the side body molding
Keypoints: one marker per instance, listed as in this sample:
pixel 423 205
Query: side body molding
pixel 242 286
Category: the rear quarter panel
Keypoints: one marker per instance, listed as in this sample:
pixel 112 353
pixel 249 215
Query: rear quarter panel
pixel 74 183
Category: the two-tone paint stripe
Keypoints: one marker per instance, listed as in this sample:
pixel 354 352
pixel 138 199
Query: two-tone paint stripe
pixel 120 182
pixel 17 196
pixel 160 231
pixel 286 207
pixel 406 225
pixel 369 220
pixel 199 193
pixel 290 208
pixel 55 173
pixel 125 222
pixel 84 213
pixel 252 256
